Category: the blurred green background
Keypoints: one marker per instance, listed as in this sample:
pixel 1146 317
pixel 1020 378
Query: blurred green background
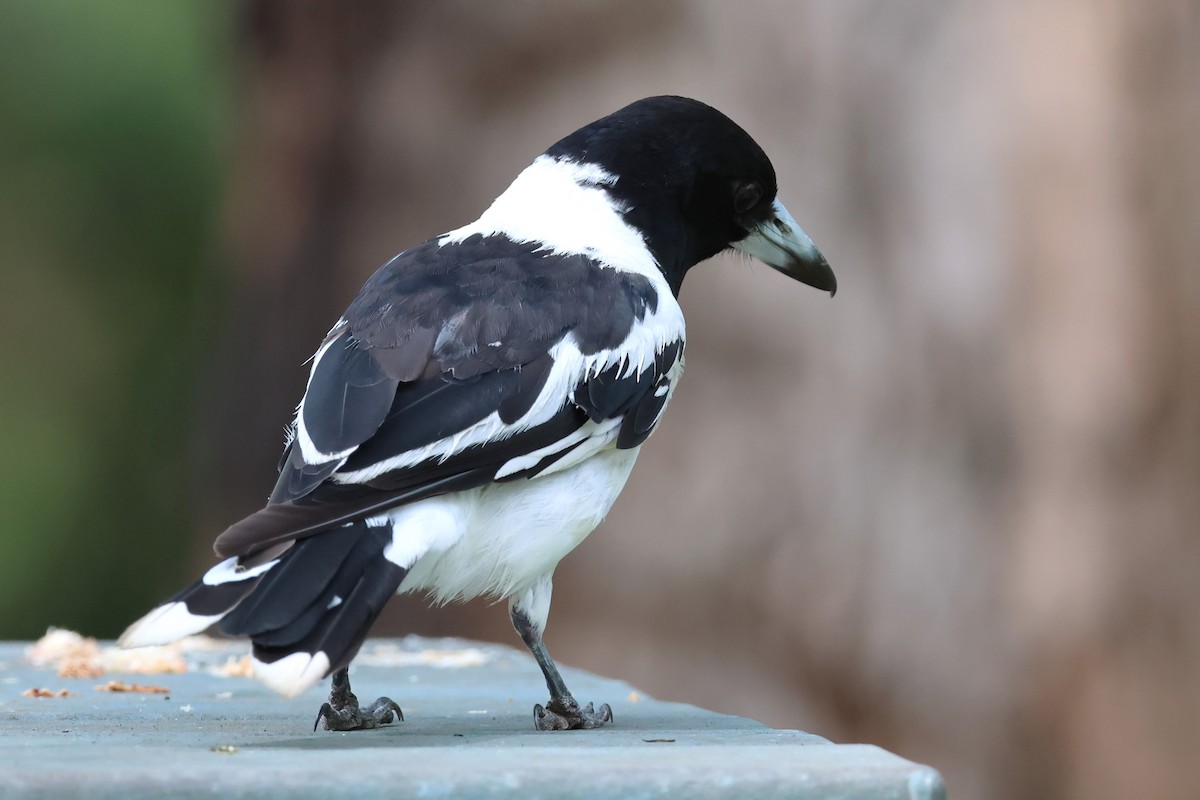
pixel 113 119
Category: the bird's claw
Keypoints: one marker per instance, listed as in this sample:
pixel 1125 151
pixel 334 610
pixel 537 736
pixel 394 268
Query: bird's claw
pixel 568 716
pixel 351 717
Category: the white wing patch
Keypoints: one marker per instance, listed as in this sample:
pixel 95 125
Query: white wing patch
pixel 307 448
pixel 588 440
pixel 636 354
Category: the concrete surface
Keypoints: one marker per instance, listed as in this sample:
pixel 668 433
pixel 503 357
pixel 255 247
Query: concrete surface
pixel 468 733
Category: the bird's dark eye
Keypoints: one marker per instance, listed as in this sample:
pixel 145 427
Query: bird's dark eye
pixel 746 197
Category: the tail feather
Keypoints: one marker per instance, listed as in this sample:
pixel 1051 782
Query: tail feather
pixel 297 644
pixel 340 630
pixel 300 580
pixel 198 606
pixel 351 570
pixel 306 606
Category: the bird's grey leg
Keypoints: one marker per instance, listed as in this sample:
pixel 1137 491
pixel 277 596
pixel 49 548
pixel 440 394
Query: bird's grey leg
pixel 342 712
pixel 562 712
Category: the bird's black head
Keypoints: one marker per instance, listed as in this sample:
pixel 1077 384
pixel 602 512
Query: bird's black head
pixel 693 183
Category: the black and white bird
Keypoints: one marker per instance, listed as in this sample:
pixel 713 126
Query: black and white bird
pixel 479 406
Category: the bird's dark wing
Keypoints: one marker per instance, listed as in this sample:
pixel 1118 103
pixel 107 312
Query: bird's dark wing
pixel 462 364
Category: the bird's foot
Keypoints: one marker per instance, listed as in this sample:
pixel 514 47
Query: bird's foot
pixel 347 715
pixel 566 715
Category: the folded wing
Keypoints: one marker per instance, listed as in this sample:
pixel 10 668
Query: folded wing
pixel 460 365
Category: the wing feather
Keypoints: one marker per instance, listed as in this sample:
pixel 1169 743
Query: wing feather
pixel 455 362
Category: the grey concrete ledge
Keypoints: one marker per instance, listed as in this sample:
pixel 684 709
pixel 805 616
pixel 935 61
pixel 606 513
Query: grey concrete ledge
pixel 469 733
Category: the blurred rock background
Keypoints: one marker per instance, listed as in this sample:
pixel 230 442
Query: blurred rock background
pixel 954 511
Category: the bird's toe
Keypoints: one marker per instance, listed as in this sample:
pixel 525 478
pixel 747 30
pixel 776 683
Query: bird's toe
pixel 568 716
pixel 352 717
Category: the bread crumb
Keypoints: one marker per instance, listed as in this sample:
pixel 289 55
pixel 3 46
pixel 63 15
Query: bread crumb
pixel 387 654
pixel 634 697
pixel 235 667
pixel 79 667
pixel 200 643
pixel 144 660
pixel 59 645
pixel 122 686
pixel 77 656
pixel 38 692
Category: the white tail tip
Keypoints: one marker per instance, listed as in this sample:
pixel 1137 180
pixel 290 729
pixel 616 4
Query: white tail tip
pixel 163 625
pixel 292 674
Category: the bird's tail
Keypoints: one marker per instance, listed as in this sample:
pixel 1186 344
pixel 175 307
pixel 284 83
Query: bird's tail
pixel 306 605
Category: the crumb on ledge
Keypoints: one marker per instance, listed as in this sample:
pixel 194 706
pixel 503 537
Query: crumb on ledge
pixel 39 692
pixel 122 686
pixel 234 667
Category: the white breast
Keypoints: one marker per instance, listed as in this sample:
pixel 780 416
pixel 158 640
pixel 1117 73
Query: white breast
pixel 500 539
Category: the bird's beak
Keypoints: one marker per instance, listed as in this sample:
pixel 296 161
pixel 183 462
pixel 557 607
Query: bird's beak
pixel 780 243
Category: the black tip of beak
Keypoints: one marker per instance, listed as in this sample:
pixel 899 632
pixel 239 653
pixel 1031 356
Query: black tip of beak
pixel 832 287
pixel 780 243
pixel 814 272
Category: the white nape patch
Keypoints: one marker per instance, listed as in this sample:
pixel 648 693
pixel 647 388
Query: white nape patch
pixel 587 173
pixel 417 528
pixel 292 674
pixel 227 572
pixel 564 206
pixel 534 603
pixel 165 624
pixel 307 448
